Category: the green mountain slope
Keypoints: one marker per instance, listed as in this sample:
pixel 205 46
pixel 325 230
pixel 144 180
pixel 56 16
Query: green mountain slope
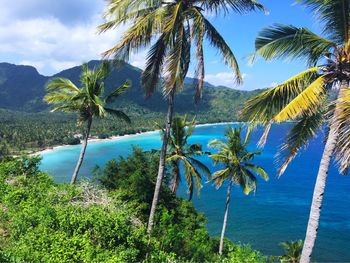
pixel 27 124
pixel 22 89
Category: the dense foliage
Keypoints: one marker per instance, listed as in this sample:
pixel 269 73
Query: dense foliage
pixel 23 132
pixel 43 221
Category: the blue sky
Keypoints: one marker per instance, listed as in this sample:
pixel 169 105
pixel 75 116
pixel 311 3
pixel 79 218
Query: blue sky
pixel 54 35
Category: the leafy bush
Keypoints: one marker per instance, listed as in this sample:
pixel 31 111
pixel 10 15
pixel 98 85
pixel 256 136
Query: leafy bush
pixel 242 254
pixel 41 221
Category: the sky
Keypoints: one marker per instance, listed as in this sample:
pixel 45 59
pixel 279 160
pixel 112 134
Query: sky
pixel 55 35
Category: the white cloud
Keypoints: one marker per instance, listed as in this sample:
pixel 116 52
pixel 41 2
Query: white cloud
pixel 48 41
pixel 66 11
pixel 139 59
pixel 223 79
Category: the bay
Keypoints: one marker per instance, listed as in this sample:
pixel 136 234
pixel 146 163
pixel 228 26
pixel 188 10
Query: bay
pixel 277 212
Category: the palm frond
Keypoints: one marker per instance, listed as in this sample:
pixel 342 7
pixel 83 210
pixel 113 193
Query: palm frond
pixel 258 170
pixel 198 33
pixel 238 6
pixel 120 12
pixel 177 64
pixel 220 44
pixel 286 41
pixel 200 166
pixel 334 16
pixel 193 177
pixel 66 108
pixel 261 143
pixel 118 91
pixel 57 97
pixel 305 103
pixel 220 176
pixel 298 138
pixel 247 136
pixel 154 65
pixel 249 183
pixel 62 85
pixel 262 108
pixel 138 35
pixel 216 144
pixel 119 114
pixel 173 157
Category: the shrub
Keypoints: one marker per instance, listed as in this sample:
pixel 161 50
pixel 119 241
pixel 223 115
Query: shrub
pixel 41 221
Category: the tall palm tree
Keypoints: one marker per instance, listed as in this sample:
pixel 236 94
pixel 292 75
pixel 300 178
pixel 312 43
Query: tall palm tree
pixel 181 153
pixel 313 97
pixel 171 27
pixel 238 168
pixel 88 101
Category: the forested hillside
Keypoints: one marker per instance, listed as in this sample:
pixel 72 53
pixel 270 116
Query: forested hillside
pixel 22 89
pixel 27 124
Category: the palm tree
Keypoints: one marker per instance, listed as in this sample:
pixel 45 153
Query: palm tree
pixel 171 27
pixel 292 251
pixel 181 153
pixel 313 97
pixel 88 101
pixel 238 168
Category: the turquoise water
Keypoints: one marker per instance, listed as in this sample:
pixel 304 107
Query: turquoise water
pixel 279 210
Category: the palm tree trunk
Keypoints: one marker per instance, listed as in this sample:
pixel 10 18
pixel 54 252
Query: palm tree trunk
pixel 316 205
pixel 176 177
pixel 221 247
pixel 82 152
pixel 169 118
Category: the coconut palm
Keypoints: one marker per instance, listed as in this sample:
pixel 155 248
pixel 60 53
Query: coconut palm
pixel 171 27
pixel 237 168
pixel 292 251
pixel 88 101
pixel 182 154
pixel 313 97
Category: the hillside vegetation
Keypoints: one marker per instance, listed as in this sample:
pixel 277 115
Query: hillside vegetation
pixel 27 124
pixel 41 221
pixel 22 88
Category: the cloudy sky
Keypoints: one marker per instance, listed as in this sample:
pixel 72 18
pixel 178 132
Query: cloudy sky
pixel 53 35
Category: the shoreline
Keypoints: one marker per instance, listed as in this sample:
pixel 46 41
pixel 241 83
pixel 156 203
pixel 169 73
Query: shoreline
pixel 118 137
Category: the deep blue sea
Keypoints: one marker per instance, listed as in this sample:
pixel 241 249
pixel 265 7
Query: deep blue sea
pixel 279 210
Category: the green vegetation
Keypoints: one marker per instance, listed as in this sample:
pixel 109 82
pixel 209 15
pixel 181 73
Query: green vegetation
pixel 292 251
pixel 238 168
pixel 26 132
pixel 181 154
pixel 43 221
pixel 88 102
pixel 317 96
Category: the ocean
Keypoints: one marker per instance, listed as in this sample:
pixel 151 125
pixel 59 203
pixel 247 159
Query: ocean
pixel 277 212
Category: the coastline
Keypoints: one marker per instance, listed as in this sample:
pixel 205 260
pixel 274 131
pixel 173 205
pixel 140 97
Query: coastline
pixel 117 138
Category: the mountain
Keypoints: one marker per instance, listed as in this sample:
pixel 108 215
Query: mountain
pixel 22 88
